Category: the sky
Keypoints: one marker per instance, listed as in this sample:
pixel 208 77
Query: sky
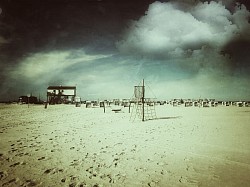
pixel 182 48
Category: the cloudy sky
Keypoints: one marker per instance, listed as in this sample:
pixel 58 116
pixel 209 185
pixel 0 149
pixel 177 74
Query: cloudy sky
pixel 182 48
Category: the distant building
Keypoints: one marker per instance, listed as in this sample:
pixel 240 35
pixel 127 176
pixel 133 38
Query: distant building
pixel 26 99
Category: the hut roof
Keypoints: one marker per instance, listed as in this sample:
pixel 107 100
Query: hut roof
pixel 61 88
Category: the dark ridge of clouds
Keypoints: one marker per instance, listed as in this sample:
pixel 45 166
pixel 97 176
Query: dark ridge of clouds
pixel 238 47
pixel 45 25
pixel 238 52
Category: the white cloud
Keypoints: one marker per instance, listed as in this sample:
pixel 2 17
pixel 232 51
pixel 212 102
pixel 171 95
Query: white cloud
pixel 96 76
pixel 168 31
pixel 191 35
pixel 215 16
pixel 37 71
pixel 48 65
pixel 240 18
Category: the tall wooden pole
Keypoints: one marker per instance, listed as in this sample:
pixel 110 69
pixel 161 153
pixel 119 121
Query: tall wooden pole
pixel 143 95
pixel 47 100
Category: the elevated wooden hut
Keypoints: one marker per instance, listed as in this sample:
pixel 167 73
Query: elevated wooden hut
pixel 61 94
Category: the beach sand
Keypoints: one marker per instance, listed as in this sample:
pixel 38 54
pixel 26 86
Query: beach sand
pixel 65 145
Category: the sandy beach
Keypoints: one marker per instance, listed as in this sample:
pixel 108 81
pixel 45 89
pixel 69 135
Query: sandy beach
pixel 65 145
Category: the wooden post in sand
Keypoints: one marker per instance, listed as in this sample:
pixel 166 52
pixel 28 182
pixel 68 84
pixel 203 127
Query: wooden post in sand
pixel 47 100
pixel 28 95
pixel 143 95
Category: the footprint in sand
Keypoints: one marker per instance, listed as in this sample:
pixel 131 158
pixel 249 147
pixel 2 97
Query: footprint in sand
pixel 75 163
pixel 53 171
pixel 16 164
pixel 72 184
pixel 15 180
pixel 2 157
pixel 20 154
pixel 48 171
pixel 32 183
pixel 3 174
pixel 153 183
pixel 12 150
pixel 82 184
pixel 42 158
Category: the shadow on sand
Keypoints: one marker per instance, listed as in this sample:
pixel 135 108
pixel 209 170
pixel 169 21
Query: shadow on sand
pixel 176 117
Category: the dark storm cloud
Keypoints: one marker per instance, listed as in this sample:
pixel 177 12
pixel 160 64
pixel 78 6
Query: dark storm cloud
pixel 44 25
pixel 238 52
